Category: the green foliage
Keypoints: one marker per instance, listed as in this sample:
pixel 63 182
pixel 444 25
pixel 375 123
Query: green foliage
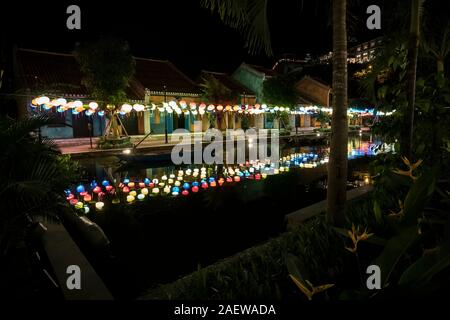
pixel 249 17
pixel 260 272
pixel 107 66
pixel 280 91
pixel 34 175
pixel 215 92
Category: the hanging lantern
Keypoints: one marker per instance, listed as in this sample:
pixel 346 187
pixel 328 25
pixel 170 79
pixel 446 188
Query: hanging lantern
pixel 93 105
pixel 138 107
pixel 219 108
pixel 126 108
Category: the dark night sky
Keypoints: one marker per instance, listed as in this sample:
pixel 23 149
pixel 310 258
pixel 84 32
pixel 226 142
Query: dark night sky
pixel 180 31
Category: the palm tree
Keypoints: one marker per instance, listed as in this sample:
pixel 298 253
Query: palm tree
pixel 411 70
pixel 337 166
pixel 250 16
pixel 34 176
pixel 435 36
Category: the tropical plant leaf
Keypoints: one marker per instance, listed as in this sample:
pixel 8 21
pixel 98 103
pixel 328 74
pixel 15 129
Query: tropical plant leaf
pixel 395 248
pixel 425 268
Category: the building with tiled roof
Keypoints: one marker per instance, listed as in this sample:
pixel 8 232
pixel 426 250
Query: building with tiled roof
pixel 58 74
pixel 247 96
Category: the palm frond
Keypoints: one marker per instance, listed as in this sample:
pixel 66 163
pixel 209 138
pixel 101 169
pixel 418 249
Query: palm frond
pixel 247 16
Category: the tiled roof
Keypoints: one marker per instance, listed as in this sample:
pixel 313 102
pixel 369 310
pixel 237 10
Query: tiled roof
pixel 261 69
pixel 48 72
pixel 229 82
pixel 52 72
pixel 154 74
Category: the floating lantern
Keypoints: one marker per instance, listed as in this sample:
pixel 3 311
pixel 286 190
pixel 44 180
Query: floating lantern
pixel 131 184
pixel 212 184
pixel 204 185
pixel 105 183
pixel 155 190
pixel 126 189
pixel 229 179
pixel 86 209
pixel 144 191
pixel 97 189
pixel 186 186
pixel 109 188
pixel 185 192
pixel 141 196
pixel 130 198
pixel 79 205
pixel 219 108
pixel 141 185
pixel 195 189
pixel 99 205
pixel 87 197
pixel 133 193
pixel 167 189
pixel 73 201
pixel 80 188
pixel 70 197
pixel 93 105
pixel 237 178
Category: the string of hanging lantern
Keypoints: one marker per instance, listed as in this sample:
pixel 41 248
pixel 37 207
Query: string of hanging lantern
pixel 182 107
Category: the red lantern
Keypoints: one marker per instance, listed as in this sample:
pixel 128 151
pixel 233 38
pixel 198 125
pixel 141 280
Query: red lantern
pixel 87 197
pixel 194 189
pixel 151 185
pixel 204 185
pixel 109 188
pixel 229 179
pixel 258 176
pixel 126 189
pixel 237 178
pixel 185 192
pixel 73 201
pixel 70 197
pixel 97 189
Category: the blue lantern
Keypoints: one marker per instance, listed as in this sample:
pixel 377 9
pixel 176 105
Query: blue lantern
pixel 186 185
pixel 147 181
pixel 195 184
pixel 126 181
pixel 93 184
pixel 80 188
pixel 175 189
pixel 105 183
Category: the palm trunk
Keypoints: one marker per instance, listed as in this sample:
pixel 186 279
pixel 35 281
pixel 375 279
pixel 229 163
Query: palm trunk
pixel 440 65
pixel 337 166
pixel 413 49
